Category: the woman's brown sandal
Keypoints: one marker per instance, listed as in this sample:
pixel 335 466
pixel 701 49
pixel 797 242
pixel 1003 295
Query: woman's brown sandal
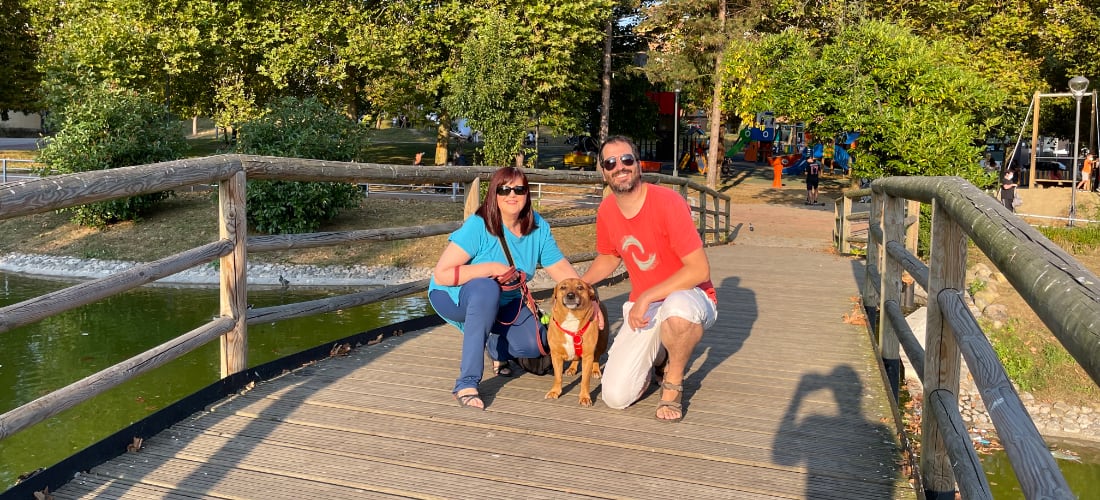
pixel 465 401
pixel 675 403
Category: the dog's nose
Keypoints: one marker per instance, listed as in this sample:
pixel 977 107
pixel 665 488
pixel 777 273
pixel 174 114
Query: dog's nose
pixel 571 296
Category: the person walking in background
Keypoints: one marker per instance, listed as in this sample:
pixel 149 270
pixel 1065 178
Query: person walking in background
pixel 813 180
pixel 649 229
pixel 477 284
pixel 1086 173
pixel 1008 189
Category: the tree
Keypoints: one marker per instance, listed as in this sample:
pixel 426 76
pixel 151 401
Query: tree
pixel 297 128
pixel 488 89
pixel 629 109
pixel 689 39
pixel 918 107
pixel 110 128
pixel 18 50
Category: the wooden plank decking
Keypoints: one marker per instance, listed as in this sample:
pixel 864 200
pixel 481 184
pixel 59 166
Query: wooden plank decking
pixel 783 400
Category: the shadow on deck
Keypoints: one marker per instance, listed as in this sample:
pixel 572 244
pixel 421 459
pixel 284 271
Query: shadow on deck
pixel 783 400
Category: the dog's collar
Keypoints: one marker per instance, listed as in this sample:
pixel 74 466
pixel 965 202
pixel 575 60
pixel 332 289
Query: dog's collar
pixel 577 335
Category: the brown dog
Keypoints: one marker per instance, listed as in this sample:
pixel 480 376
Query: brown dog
pixel 575 335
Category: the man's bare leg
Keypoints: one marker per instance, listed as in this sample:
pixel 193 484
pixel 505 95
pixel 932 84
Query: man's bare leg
pixel 679 336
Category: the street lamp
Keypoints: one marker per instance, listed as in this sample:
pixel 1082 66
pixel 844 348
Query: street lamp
pixel 676 133
pixel 1077 85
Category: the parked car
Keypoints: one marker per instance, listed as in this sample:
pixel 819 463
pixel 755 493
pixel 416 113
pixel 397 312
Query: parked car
pixel 584 153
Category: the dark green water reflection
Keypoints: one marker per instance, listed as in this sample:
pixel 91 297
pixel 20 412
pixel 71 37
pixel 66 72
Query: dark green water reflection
pixel 1083 475
pixel 42 357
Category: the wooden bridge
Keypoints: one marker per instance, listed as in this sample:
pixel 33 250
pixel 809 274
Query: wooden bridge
pixel 784 400
pixel 785 397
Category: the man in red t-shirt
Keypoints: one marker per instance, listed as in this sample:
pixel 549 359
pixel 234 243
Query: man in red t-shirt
pixel 650 229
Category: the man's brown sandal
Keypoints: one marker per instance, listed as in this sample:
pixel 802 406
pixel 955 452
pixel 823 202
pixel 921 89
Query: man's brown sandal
pixel 675 403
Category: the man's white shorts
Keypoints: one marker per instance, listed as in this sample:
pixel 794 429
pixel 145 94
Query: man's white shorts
pixel 632 353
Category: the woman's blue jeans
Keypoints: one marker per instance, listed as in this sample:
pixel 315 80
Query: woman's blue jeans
pixel 483 326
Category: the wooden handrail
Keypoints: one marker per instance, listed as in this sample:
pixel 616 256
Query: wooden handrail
pixel 231 172
pixel 1064 294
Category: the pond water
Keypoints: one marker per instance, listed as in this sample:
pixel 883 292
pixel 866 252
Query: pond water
pixel 42 357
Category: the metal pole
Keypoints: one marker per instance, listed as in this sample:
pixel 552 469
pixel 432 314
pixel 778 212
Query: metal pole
pixel 1076 151
pixel 676 135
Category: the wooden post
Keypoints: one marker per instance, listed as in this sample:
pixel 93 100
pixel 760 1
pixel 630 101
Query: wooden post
pixel 473 198
pixel 893 229
pixel 844 226
pixel 942 355
pixel 912 239
pixel 233 275
pixel 726 232
pixel 875 248
pixel 1034 143
pixel 703 216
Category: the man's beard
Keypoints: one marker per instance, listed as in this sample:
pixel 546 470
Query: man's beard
pixel 630 186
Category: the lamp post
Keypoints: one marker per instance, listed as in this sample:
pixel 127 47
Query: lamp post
pixel 1077 86
pixel 676 133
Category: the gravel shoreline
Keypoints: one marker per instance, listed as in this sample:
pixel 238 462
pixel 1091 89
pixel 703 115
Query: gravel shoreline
pixel 1058 419
pixel 258 273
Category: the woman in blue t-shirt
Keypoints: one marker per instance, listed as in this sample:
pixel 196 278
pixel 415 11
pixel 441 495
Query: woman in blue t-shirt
pixel 472 284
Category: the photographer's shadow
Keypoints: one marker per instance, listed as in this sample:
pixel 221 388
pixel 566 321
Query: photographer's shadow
pixel 835 441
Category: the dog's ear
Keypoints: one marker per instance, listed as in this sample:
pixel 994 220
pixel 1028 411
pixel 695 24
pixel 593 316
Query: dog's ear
pixel 591 293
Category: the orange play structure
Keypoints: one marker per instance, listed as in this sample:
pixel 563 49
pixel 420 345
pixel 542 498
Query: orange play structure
pixel 778 164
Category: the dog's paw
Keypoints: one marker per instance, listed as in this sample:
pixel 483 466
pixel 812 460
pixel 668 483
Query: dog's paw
pixel 572 370
pixel 596 373
pixel 553 394
pixel 586 400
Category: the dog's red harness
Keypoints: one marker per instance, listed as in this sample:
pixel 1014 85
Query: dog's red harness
pixel 577 348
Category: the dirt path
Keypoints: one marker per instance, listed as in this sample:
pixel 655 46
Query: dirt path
pixel 763 215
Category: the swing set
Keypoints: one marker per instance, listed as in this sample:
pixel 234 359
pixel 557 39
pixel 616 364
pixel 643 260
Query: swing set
pixel 1045 168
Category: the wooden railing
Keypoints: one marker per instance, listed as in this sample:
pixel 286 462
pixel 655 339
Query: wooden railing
pixel 230 173
pixel 1062 292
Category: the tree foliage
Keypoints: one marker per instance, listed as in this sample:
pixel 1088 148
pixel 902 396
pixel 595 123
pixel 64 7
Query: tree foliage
pixel 538 60
pixel 18 50
pixel 488 93
pixel 110 128
pixel 300 129
pixel 918 108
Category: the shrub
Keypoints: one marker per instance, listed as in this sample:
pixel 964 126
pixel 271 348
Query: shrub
pixel 300 128
pixel 110 128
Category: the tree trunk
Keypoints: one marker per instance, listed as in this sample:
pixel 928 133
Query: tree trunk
pixel 714 160
pixel 605 92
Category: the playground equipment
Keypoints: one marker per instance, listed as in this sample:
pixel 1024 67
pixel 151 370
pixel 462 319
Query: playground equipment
pixel 841 157
pixel 779 163
pixel 1038 167
pixel 743 139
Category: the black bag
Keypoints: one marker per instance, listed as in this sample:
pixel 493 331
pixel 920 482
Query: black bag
pixel 541 365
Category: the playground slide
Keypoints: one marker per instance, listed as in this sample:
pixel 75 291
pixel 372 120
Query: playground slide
pixel 743 140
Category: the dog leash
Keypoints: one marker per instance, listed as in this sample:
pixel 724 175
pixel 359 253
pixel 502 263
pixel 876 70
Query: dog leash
pixel 525 293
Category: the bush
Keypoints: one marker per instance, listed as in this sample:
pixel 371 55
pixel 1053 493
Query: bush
pixel 300 129
pixel 110 128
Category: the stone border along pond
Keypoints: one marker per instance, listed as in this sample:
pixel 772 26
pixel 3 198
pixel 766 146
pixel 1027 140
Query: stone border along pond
pixel 1059 419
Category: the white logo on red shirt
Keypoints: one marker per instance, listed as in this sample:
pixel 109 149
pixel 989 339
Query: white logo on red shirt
pixel 644 265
